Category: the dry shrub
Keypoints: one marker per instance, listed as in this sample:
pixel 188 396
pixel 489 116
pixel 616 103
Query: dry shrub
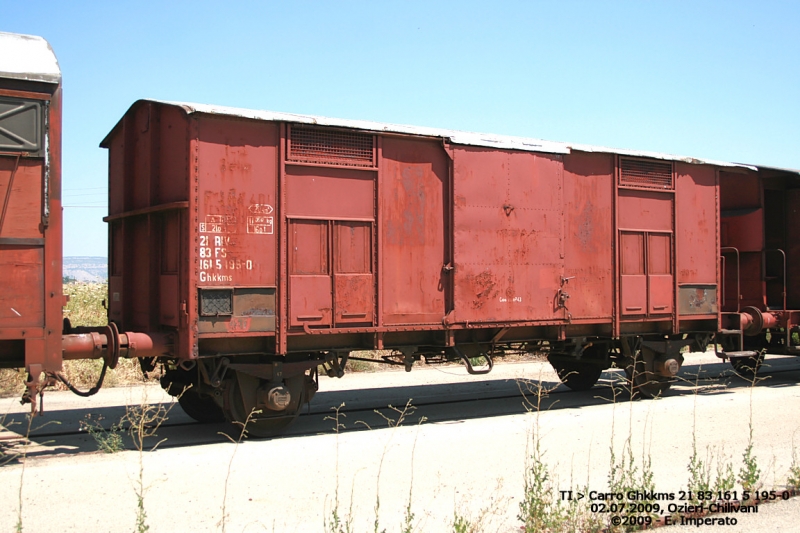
pixel 85 306
pixel 12 382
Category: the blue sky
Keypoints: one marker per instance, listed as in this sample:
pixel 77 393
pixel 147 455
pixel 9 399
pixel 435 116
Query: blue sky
pixel 718 80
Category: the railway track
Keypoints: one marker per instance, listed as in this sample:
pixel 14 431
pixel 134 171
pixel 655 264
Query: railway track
pixel 362 409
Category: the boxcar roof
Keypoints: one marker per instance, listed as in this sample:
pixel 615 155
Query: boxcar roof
pixel 27 57
pixel 506 142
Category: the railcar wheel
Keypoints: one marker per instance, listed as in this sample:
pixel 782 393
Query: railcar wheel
pixel 240 406
pixel 642 377
pixel 577 376
pixel 580 374
pixel 183 385
pixel 747 367
pixel 201 407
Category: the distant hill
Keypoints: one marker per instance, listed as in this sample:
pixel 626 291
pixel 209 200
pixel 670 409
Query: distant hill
pixel 86 268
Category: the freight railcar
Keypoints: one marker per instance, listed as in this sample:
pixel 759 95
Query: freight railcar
pixel 270 243
pixel 248 250
pixel 31 298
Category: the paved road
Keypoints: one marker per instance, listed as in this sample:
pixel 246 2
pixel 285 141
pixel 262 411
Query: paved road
pixel 469 457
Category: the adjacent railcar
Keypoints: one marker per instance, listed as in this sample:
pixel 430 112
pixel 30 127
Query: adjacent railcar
pixel 760 265
pixel 31 295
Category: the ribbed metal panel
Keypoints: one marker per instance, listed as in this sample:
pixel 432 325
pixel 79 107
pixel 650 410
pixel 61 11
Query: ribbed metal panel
pixel 331 146
pixel 645 174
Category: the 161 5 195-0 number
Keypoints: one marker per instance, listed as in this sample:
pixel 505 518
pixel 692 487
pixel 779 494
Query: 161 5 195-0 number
pixel 733 495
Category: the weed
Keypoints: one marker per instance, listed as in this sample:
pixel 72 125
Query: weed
pixel 725 479
pixel 408 517
pixel 18 525
pixel 699 475
pixel 462 525
pixel 577 518
pixel 23 458
pixel 699 470
pixel 477 361
pixel 6 453
pixel 625 475
pixel 402 414
pixel 338 524
pixel 236 443
pixel 464 522
pixel 749 472
pixel 144 420
pixel 108 440
pixel 793 480
pixel 539 509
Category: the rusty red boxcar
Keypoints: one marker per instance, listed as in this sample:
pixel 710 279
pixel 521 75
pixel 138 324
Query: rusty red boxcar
pixel 269 243
pixel 31 298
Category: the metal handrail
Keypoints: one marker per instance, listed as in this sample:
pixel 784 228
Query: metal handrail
pixel 783 255
pixel 738 275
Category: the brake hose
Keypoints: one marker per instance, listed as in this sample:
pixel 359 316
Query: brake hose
pixel 90 392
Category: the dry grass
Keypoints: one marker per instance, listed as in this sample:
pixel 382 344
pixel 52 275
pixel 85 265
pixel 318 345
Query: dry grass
pixel 12 382
pixel 85 308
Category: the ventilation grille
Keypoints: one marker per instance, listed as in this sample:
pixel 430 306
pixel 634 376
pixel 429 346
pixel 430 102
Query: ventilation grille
pixel 645 174
pixel 216 302
pixel 331 147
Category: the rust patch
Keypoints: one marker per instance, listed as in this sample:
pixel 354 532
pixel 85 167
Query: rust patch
pixel 585 233
pixel 414 214
pixel 354 297
pixel 483 286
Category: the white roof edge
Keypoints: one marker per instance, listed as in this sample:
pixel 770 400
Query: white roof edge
pixel 457 137
pixel 28 57
pixel 657 155
pixel 779 169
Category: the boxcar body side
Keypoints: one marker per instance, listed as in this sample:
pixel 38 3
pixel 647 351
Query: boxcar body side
pixel 31 298
pixel 266 244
